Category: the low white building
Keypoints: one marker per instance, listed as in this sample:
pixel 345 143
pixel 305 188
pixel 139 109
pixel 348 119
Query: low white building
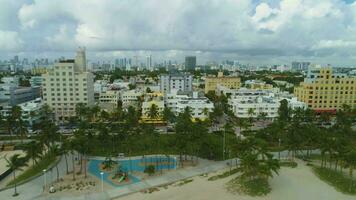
pixel 109 99
pixel 199 106
pixel 255 107
pixel 130 97
pixel 30 111
pixel 247 103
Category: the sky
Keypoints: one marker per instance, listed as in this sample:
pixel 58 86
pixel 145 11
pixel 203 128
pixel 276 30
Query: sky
pixel 250 31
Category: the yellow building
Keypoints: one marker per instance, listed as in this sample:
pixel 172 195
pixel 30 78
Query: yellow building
pixel 324 90
pixel 150 99
pixel 226 81
pixel 39 70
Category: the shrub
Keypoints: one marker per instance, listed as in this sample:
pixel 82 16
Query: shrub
pixel 150 170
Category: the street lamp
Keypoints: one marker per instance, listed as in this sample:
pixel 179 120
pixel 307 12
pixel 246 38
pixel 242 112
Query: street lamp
pixel 279 149
pixel 44 179
pixel 102 181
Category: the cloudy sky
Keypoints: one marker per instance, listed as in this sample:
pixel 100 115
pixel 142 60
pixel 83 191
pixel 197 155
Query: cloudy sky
pixel 251 31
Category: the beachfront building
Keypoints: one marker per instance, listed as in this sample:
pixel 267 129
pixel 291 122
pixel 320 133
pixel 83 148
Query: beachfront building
pixel 253 103
pixel 255 107
pixel 30 111
pixel 68 84
pixel 150 99
pixel 199 105
pixel 231 82
pixel 325 91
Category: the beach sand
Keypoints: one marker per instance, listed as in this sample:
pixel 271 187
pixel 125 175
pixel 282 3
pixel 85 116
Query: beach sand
pixel 292 184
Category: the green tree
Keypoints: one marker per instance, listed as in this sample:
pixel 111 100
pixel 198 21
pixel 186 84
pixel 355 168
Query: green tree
pixel 15 163
pixel 153 112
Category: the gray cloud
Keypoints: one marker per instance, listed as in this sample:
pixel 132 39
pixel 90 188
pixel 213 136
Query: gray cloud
pixel 242 29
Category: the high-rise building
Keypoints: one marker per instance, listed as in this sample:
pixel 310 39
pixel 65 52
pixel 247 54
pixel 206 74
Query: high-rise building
pixel 324 90
pixel 230 82
pixel 300 66
pixel 190 62
pixel 176 82
pixel 68 84
pixel 149 63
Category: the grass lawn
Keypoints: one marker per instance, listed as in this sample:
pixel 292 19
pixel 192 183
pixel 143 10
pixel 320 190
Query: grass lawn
pixel 338 180
pixel 291 164
pixel 254 187
pixel 224 175
pixel 34 170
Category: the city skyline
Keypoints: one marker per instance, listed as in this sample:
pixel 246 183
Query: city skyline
pixel 250 31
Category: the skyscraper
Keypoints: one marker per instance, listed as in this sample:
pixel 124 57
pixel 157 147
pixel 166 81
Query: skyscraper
pixel 149 63
pixel 190 62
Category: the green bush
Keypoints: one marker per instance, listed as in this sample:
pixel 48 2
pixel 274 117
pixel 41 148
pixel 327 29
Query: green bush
pixel 338 180
pixel 253 187
pixel 150 170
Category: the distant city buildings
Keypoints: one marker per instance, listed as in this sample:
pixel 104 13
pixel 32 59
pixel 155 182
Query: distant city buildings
pixel 190 62
pixel 300 66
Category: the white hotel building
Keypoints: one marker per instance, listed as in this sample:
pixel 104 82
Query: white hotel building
pixel 198 105
pixel 261 101
pixel 67 84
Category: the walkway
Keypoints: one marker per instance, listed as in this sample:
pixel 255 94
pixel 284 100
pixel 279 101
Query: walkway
pixel 33 189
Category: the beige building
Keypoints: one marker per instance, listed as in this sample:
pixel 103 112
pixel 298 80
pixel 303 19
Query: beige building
pixel 324 90
pixel 157 99
pixel 109 100
pixel 67 84
pixel 226 81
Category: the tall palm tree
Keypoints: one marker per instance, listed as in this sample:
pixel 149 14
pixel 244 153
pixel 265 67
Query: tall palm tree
pixel 15 163
pixel 350 160
pixel 65 148
pixel 33 150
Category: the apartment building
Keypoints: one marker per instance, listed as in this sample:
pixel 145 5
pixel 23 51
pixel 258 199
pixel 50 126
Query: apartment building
pixel 176 82
pixel 323 90
pixel 130 98
pixel 231 82
pixel 68 84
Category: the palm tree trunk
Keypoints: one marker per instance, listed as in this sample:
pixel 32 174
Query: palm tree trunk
pixel 15 184
pixel 65 157
pixel 85 167
pixel 57 172
pixel 73 163
pixel 81 163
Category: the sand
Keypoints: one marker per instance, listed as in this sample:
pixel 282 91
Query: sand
pixel 292 184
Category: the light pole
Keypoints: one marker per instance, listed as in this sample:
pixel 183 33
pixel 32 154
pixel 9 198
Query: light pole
pixel 224 146
pixel 44 179
pixel 102 181
pixel 279 148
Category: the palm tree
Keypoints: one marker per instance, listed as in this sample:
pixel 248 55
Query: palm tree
pixel 65 148
pixel 350 160
pixel 15 163
pixel 33 150
pixel 251 113
pixel 56 151
pixel 153 113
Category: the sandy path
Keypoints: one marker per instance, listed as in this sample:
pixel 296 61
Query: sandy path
pixel 293 184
